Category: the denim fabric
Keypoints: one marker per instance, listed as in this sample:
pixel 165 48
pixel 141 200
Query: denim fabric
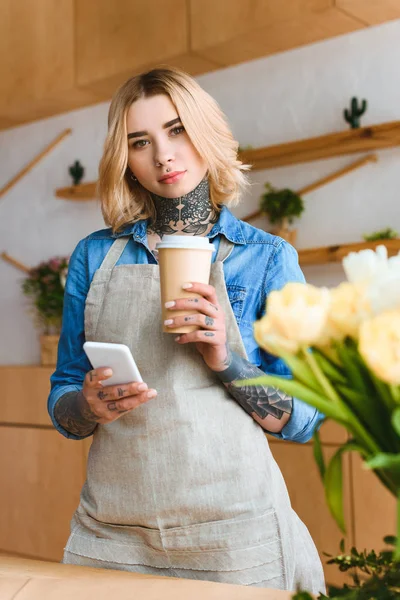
pixel 259 264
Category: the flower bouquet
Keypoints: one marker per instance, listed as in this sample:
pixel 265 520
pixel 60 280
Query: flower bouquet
pixel 343 348
pixel 45 286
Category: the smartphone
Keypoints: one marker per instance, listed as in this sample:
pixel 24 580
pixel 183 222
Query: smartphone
pixel 116 356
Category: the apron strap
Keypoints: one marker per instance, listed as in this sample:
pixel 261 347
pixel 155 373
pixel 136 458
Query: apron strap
pixel 225 249
pixel 117 248
pixel 114 253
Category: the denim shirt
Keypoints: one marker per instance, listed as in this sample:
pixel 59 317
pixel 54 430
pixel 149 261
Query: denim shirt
pixel 259 263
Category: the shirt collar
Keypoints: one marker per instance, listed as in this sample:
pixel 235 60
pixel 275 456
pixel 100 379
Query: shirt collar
pixel 227 224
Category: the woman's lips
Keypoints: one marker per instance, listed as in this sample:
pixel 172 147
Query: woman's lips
pixel 174 178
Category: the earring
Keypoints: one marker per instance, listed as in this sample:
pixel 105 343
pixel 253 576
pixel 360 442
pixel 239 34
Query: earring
pixel 133 177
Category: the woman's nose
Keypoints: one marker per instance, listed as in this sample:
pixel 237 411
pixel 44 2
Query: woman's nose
pixel 163 154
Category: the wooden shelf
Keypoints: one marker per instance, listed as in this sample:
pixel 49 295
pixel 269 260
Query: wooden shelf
pixel 351 141
pixel 83 191
pixel 327 254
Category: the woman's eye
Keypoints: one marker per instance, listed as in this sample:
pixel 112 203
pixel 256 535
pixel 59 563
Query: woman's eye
pixel 177 130
pixel 139 144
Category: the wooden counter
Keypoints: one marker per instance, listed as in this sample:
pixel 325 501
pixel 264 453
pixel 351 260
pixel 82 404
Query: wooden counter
pixel 42 473
pixel 35 580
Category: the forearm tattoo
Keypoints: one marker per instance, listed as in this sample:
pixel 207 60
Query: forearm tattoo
pixel 261 400
pixel 74 414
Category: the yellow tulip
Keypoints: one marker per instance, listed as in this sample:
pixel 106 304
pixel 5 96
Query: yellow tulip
pixel 379 345
pixel 270 340
pixel 348 309
pixel 298 313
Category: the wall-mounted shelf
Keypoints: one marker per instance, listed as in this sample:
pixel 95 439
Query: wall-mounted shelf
pixel 351 141
pixel 326 254
pixel 83 191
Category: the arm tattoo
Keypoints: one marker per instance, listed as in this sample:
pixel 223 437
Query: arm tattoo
pixel 74 414
pixel 261 400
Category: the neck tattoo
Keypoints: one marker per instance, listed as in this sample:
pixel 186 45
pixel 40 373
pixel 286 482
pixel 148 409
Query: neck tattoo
pixel 191 214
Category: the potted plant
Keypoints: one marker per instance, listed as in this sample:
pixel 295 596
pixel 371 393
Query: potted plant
pixel 45 287
pixel 282 207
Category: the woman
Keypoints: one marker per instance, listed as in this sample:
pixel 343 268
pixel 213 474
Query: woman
pixel 180 478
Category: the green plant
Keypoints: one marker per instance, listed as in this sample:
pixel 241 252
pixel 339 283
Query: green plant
pixel 353 115
pixel 45 286
pixel 77 172
pixel 375 576
pixel 383 234
pixel 281 206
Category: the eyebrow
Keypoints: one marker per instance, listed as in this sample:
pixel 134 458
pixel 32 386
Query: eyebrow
pixel 165 126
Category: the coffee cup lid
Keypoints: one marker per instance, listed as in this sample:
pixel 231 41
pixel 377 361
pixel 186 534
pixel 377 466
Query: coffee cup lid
pixel 185 241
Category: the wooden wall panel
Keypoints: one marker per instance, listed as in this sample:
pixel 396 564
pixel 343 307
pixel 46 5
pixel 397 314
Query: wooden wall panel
pixel 37 60
pixel 308 499
pixel 24 394
pixel 371 12
pixel 213 23
pixel 374 508
pixel 119 37
pixel 307 29
pixel 41 475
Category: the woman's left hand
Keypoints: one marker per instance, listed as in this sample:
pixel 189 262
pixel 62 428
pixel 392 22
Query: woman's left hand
pixel 210 339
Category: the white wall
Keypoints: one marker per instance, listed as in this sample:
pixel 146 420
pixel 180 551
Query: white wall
pixel 289 96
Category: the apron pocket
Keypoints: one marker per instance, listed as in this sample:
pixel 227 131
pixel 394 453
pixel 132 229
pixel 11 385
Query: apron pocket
pixel 232 545
pixel 242 551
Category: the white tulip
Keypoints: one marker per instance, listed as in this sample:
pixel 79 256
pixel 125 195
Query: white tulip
pixel 63 277
pixel 383 293
pixel 364 266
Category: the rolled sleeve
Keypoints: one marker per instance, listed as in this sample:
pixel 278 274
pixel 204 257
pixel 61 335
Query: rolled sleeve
pixel 72 362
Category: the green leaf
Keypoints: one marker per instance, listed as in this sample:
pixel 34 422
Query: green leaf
pixel 390 540
pixel 318 454
pixel 396 420
pixel 301 370
pixel 331 370
pixel 384 461
pixel 353 371
pixel 297 390
pixel 333 482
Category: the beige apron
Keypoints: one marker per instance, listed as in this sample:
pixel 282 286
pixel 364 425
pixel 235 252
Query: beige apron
pixel 186 481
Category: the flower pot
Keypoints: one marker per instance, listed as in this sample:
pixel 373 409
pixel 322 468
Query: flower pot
pixel 287 234
pixel 48 350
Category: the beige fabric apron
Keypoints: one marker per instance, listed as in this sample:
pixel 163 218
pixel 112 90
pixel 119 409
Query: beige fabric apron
pixel 186 481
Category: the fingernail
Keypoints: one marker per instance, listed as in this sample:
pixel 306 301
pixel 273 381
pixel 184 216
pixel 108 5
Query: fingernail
pixel 142 387
pixel 152 394
pixel 186 286
pixel 178 338
pixel 169 304
pixel 107 371
pixel 168 322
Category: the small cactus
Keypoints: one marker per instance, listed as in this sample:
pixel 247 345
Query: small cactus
pixel 353 115
pixel 76 171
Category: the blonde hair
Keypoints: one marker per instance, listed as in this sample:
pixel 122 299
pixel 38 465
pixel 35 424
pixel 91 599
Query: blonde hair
pixel 124 201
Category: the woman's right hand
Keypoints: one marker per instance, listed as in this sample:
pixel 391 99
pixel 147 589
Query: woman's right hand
pixel 108 403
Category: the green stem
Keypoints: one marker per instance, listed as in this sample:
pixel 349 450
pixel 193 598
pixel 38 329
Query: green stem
pixel 397 548
pixel 395 390
pixel 319 375
pixel 360 433
pixel 331 354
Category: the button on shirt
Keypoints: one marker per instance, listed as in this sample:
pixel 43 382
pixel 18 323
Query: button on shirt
pixel 259 263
